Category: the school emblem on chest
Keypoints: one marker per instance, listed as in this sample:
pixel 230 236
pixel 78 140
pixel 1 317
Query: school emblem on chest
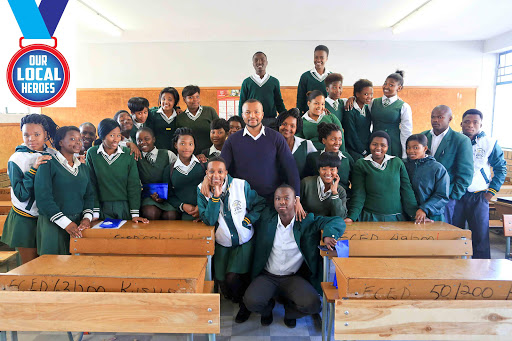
pixel 236 207
pixel 479 153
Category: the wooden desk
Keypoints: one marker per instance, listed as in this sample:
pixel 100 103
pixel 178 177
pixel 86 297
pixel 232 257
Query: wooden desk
pixel 108 274
pixel 2 222
pixel 158 237
pixel 5 206
pixel 408 278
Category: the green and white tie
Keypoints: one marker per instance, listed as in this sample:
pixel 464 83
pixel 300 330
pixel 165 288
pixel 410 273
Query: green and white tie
pixel 386 102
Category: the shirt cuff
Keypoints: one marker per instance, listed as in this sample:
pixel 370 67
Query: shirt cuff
pixel 96 214
pixel 63 222
pixel 134 213
pixel 88 216
pixel 32 171
pixel 181 207
pixel 492 191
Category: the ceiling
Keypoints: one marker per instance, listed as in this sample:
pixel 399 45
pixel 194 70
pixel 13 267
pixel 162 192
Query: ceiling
pixel 271 20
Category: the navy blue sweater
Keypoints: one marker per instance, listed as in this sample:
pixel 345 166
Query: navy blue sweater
pixel 260 162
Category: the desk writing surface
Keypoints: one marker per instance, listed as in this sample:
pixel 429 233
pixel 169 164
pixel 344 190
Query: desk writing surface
pixel 417 278
pixel 178 274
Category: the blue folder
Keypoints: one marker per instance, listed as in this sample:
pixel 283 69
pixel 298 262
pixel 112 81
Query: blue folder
pixel 342 251
pixel 160 189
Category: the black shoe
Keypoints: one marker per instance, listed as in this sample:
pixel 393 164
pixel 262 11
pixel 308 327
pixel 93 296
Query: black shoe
pixel 243 314
pixel 290 323
pixel 268 319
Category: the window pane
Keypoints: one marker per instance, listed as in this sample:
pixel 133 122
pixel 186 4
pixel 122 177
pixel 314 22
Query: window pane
pixel 502 118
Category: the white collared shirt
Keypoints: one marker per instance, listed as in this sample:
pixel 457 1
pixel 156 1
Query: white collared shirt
pixel 112 156
pixel 405 121
pixel 309 119
pixel 137 124
pixel 384 163
pixel 154 153
pixel 260 81
pixel 196 116
pixel 285 257
pixel 322 195
pixel 320 77
pixel 124 142
pixel 262 132
pixel 184 169
pixel 361 111
pixel 64 162
pixel 340 154
pixel 298 141
pixel 214 151
pixel 437 139
pixel 168 120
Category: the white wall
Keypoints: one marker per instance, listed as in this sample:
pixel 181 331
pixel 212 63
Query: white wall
pixel 228 63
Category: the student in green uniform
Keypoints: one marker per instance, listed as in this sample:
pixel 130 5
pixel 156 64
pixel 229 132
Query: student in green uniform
pixel 314 116
pixel 184 175
pixel 196 117
pixel 264 88
pixel 357 121
pixel 288 124
pixel 236 123
pixel 125 121
pixel 323 195
pixel 162 119
pixel 219 129
pixel 64 194
pixel 20 226
pixel 139 107
pixel 391 114
pixel 330 135
pixel 114 176
pixel 333 102
pixel 151 171
pixel 88 134
pixel 233 208
pixel 381 190
pixel 429 179
pixel 314 78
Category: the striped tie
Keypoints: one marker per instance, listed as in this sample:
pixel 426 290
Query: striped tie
pixel 335 105
pixel 386 102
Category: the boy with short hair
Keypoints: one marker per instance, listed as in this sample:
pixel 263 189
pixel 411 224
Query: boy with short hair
pixel 333 102
pixel 473 207
pixel 264 88
pixel 88 134
pixel 139 108
pixel 219 129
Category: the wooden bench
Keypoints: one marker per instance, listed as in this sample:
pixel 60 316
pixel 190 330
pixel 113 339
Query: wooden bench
pixel 504 210
pixel 109 312
pixel 158 237
pixel 5 206
pixel 423 299
pixel 5 194
pixel 330 295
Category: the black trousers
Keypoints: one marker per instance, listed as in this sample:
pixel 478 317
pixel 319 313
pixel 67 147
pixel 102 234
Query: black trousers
pixel 300 297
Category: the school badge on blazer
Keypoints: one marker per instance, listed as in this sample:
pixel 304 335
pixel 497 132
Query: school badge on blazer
pixel 38 74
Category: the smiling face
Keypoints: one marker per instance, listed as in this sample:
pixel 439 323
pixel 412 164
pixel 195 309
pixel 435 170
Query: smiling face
pixel 111 141
pixel 327 174
pixel 252 114
pixel 145 141
pixel 320 58
pixel 289 127
pixel 34 136
pixel 216 173
pixel 378 148
pixel 316 106
pixel 334 90
pixel 71 143
pixel 391 87
pixel 167 101
pixel 218 137
pixel 88 134
pixel 365 96
pixel 259 62
pixel 125 121
pixel 234 126
pixel 284 201
pixel 333 141
pixel 193 101
pixel 471 125
pixel 415 150
pixel 185 146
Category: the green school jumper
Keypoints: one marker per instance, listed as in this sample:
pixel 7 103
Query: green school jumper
pixel 64 194
pixel 310 130
pixel 153 173
pixel 200 125
pixel 162 128
pixel 357 132
pixel 269 94
pixel 388 119
pixel 300 155
pixel 381 195
pixel 116 184
pixel 309 82
pixel 182 186
pixel 331 206
pixel 344 170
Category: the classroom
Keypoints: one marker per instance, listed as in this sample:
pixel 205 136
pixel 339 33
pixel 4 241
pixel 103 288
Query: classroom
pixel 268 170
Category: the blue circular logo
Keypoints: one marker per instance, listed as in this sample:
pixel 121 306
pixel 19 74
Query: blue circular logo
pixel 38 75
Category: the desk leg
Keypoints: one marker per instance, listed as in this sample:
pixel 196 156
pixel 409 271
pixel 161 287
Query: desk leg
pixel 209 268
pixel 326 269
pixel 14 336
pixel 331 321
pixel 3 336
pixel 324 315
pixel 507 247
pixel 70 336
pixel 190 337
pixel 211 337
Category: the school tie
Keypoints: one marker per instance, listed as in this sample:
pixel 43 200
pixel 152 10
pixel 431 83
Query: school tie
pixel 149 159
pixel 335 105
pixel 386 102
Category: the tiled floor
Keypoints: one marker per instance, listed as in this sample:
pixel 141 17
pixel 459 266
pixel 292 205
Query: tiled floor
pixel 308 328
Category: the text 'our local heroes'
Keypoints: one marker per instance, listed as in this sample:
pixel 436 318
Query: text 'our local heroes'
pixel 38 79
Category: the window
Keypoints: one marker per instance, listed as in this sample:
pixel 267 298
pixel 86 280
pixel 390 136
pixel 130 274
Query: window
pixel 502 122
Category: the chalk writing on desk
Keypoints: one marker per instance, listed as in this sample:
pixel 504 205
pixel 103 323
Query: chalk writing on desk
pixel 153 237
pixel 76 285
pixel 396 236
